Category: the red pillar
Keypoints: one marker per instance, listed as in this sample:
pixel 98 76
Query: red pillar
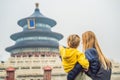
pixel 10 73
pixel 47 73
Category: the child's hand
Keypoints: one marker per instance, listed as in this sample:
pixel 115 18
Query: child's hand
pixel 85 70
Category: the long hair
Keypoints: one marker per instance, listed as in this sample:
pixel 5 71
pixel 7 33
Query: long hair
pixel 90 41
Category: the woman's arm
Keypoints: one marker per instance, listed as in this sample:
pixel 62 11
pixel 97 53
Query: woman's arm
pixel 92 56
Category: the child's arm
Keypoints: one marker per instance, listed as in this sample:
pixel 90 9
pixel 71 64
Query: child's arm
pixel 61 49
pixel 83 61
pixel 60 52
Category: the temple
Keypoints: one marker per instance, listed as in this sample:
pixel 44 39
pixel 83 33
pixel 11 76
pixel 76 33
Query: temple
pixel 36 39
pixel 36 46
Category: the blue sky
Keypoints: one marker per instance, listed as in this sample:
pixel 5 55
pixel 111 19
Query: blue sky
pixel 72 16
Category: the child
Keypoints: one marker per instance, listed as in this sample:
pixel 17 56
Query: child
pixel 73 61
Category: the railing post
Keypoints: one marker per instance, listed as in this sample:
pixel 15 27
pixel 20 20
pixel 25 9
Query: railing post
pixel 47 73
pixel 10 73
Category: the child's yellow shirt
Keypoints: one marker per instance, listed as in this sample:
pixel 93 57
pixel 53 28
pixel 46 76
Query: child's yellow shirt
pixel 70 57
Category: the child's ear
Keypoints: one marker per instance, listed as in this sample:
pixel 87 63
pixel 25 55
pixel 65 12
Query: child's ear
pixel 68 44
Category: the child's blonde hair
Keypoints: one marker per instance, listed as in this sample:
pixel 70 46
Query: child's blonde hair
pixel 73 41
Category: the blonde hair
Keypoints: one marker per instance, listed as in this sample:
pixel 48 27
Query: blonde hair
pixel 90 41
pixel 73 41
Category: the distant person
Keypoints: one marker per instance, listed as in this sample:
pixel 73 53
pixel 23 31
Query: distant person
pixel 100 66
pixel 73 61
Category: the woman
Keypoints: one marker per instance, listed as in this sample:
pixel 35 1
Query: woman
pixel 100 66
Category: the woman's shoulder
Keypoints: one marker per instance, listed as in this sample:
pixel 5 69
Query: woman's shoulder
pixel 91 49
pixel 91 53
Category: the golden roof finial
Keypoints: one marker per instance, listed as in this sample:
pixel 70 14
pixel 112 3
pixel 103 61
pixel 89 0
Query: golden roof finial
pixel 37 5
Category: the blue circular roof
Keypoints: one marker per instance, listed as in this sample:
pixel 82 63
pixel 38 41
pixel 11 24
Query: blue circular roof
pixel 33 44
pixel 30 33
pixel 39 18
